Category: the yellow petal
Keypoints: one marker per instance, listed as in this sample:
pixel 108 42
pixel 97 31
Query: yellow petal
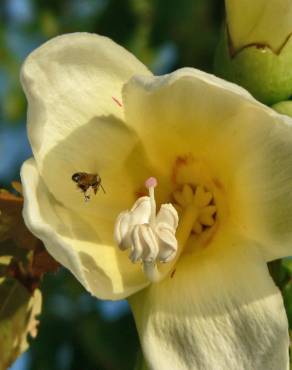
pixel 73 84
pixel 112 151
pixel 265 210
pixel 216 311
pixel 86 247
pixel 174 114
pixel 70 81
pixel 245 147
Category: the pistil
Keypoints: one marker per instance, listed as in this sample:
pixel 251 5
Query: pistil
pixel 161 238
pixel 187 220
pixel 151 184
pixel 150 236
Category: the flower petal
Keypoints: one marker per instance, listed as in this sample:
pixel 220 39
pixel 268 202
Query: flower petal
pixel 182 107
pixel 74 122
pixel 265 213
pixel 244 147
pixel 217 311
pixel 112 150
pixel 71 80
pixel 89 252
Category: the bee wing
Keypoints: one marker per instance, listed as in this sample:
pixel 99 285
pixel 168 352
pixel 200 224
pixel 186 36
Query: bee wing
pixel 102 188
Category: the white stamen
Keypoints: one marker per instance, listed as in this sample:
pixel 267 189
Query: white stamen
pixel 150 237
pixel 151 271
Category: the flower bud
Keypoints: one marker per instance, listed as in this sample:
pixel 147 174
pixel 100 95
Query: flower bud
pixel 255 50
pixel 261 22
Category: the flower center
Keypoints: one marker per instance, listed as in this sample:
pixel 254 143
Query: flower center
pixel 185 225
pixel 197 213
pixel 149 236
pixel 200 193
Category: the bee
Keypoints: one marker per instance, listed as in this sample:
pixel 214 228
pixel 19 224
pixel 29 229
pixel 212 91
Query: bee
pixel 86 181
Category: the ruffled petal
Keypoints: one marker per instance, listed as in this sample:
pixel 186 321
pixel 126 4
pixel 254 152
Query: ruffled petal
pixel 217 311
pixel 187 111
pixel 114 153
pixel 75 118
pixel 243 148
pixel 70 81
pixel 175 113
pixel 87 250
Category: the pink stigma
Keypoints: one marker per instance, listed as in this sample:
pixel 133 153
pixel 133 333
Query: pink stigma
pixel 151 182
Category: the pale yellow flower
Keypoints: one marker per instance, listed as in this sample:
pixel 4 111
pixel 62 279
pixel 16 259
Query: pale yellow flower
pixel 221 208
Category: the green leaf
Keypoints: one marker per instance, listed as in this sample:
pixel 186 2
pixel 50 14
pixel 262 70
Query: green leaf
pixel 140 364
pixel 287 264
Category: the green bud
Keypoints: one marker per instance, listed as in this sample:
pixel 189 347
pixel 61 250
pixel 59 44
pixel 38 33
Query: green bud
pixel 255 49
pixel 284 107
pixel 259 22
pixel 265 74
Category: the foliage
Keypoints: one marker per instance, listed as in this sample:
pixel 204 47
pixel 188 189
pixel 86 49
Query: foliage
pixel 18 311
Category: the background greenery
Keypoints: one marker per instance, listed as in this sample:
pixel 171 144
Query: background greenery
pixel 78 331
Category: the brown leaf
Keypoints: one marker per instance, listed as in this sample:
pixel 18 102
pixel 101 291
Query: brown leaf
pixel 17 186
pixel 30 259
pixel 18 319
pixel 43 262
pixel 11 222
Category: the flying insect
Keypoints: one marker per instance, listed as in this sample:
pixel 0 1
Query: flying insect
pixel 87 181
